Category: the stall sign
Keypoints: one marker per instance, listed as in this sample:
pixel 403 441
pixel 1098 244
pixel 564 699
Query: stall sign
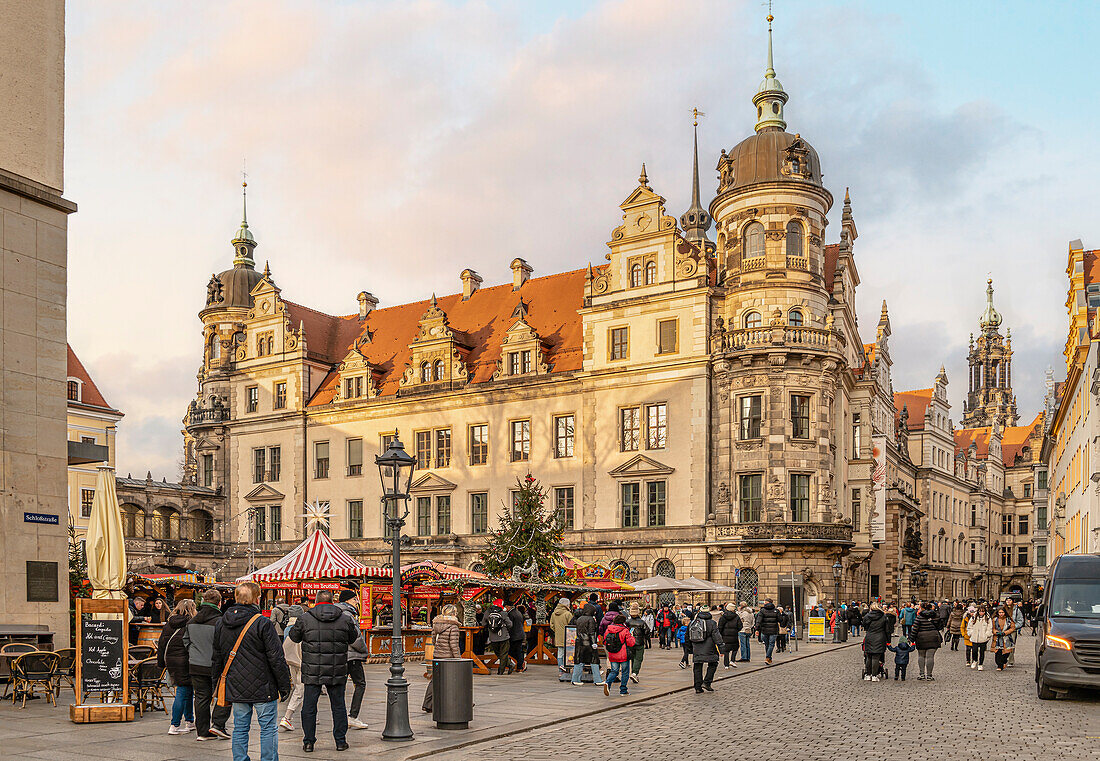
pixel 472 592
pixel 427 593
pixel 303 586
pixel 570 644
pixel 815 629
pixel 366 607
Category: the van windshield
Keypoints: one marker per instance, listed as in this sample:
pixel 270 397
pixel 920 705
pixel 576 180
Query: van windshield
pixel 1080 599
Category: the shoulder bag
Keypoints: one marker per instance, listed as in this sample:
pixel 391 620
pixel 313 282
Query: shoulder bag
pixel 220 695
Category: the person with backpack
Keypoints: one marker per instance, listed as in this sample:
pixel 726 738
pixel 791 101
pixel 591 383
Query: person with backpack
pixel 908 618
pixel 901 656
pixel 618 642
pixel 639 629
pixel 585 649
pixel 252 671
pixel 500 634
pixel 517 646
pixel 703 635
pixel 729 626
pixel 198 638
pixel 172 655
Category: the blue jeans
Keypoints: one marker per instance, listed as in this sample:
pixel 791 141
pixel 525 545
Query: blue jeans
pixel 182 705
pixel 615 670
pixel 266 716
pixel 578 670
pixel 743 636
pixel 562 677
pixel 769 644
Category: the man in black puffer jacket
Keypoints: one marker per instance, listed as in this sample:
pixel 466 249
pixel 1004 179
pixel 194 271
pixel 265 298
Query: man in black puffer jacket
pixel 703 635
pixel 729 626
pixel 326 634
pixel 258 675
pixel 767 623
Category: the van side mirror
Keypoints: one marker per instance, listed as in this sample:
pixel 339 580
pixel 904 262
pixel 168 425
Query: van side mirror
pixel 1042 612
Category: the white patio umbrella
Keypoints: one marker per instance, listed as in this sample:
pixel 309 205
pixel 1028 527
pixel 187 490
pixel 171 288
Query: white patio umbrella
pixel 658 584
pixel 106 547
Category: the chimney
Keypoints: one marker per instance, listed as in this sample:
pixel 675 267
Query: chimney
pixel 471 281
pixel 367 302
pixel 521 270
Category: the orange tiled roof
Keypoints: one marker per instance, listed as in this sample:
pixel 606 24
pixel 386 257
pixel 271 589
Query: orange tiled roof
pixel 1092 266
pixel 832 251
pixel 979 437
pixel 90 395
pixel 917 402
pixel 1015 438
pixel 480 322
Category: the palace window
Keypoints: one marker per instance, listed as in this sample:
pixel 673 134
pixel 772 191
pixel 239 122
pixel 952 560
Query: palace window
pixel 856 508
pixel 635 275
pixel 423 516
pixel 1022 525
pixel 751 320
pixel 656 426
pixel 629 429
pixel 656 501
pixel 479 512
pixel 443 514
pixel 355 457
pixel 800 497
pixel 423 449
pixel 794 239
pixel 519 362
pixel 754 240
pixel 1021 556
pixel 440 370
pixel 425 372
pixel 620 343
pixel 1041 480
pixel 252 398
pixel 631 508
pixel 275 463
pixel 751 416
pixel 563 436
pixel 479 444
pixel 320 459
pixel 521 440
pixel 563 506
pixel 800 416
pixel 74 391
pixel 133 521
pixel 259 465
pixel 1027 490
pixel 355 519
pixel 87 496
pixel 667 336
pixel 750 497
pixel 650 272
pixel 353 387
pixel 1006 525
pixel 442 447
pixel 857 435
pixel 207 461
pixel 259 524
pixel 265 344
pixel 280 395
pixel 385 440
pixel 794 318
pixel 1006 557
pixel 746 584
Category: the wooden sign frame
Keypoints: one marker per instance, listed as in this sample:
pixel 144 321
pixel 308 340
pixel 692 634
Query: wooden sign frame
pixel 121 710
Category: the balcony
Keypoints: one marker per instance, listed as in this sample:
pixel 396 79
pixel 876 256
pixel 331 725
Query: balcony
pixel 199 415
pixel 781 532
pixel 821 339
pixel 83 453
pixel 175 548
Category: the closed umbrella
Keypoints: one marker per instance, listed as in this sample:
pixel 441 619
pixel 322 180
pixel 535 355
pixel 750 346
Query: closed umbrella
pixel 106 547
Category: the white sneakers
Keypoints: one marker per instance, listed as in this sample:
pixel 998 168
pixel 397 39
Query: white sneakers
pixel 874 679
pixel 354 723
pixel 634 678
pixel 980 668
pixel 973 664
pixel 866 677
pixel 286 726
pixel 187 726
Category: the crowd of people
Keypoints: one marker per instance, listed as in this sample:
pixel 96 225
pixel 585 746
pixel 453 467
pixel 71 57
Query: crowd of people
pixel 978 625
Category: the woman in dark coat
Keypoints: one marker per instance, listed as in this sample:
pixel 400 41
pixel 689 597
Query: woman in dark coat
pixel 927 639
pixel 172 654
pixel 704 651
pixel 447 639
pixel 729 626
pixel 585 652
pixel 876 637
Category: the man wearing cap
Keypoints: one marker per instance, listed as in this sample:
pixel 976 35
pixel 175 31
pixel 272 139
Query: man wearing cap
pixel 560 619
pixel 500 632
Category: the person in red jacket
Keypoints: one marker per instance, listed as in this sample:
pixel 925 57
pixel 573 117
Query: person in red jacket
pixel 618 657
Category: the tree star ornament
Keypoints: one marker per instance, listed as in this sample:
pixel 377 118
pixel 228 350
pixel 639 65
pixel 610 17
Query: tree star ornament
pixel 317 514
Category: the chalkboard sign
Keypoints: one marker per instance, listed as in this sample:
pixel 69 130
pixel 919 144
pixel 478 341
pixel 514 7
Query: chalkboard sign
pixel 102 655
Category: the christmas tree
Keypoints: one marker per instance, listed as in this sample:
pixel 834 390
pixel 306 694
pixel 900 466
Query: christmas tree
pixel 527 539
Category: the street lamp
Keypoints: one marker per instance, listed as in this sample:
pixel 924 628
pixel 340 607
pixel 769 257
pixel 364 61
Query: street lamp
pixel 837 568
pixel 395 469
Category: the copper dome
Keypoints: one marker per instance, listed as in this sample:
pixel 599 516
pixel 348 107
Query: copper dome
pixel 770 155
pixel 237 285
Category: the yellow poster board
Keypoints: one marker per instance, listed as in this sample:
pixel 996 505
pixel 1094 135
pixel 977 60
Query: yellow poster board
pixel 815 629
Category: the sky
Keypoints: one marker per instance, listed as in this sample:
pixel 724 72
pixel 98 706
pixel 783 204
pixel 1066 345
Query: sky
pixel 391 145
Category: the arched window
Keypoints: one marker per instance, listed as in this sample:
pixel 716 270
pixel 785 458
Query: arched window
pixel 666 568
pixel 794 239
pixel 752 320
pixel 133 521
pixel 440 370
pixel 796 165
pixel 754 240
pixel 477 567
pixel 425 372
pixel 650 273
pixel 202 526
pixel 215 346
pixel 166 523
pixel 635 275
pixel 746 585
pixel 794 318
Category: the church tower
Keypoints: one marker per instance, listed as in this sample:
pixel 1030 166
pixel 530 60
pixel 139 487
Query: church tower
pixel 989 397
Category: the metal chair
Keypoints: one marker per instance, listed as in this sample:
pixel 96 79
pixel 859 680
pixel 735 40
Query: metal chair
pixel 146 685
pixel 141 652
pixel 66 670
pixel 31 671
pixel 15 648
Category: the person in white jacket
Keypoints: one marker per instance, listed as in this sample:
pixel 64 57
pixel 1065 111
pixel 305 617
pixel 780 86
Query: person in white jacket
pixel 748 622
pixel 979 628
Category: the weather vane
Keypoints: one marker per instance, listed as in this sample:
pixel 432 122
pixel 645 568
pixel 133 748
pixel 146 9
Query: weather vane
pixel 695 114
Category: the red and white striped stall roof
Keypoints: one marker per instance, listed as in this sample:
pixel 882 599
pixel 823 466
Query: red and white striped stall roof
pixel 445 571
pixel 318 557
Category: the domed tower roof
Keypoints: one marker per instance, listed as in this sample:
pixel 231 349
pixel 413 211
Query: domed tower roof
pixel 233 287
pixel 772 155
pixel 991 318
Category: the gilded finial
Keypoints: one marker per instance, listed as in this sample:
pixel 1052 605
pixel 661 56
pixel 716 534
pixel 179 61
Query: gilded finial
pixel 642 179
pixel 695 114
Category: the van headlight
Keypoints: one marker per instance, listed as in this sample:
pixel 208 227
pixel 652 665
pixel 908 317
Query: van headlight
pixel 1058 642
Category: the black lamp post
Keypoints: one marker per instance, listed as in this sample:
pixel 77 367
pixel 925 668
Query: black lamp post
pixel 837 568
pixel 395 468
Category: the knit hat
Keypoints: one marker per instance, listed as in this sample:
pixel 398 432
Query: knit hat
pixel 635 609
pixel 564 601
pixel 730 607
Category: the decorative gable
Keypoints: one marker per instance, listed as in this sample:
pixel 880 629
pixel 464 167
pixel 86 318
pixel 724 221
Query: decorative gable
pixel 797 160
pixel 430 482
pixel 438 356
pixel 641 466
pixel 356 375
pixel 205 445
pixel 522 352
pixel 264 493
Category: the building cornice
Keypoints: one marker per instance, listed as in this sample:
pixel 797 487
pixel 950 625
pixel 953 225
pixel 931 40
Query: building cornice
pixel 35 191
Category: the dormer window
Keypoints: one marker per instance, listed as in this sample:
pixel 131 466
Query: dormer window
pixel 440 370
pixel 353 387
pixel 265 344
pixel 519 362
pixel 215 346
pixel 425 372
pixel 635 276
pixel 754 240
pixel 650 273
pixel 74 391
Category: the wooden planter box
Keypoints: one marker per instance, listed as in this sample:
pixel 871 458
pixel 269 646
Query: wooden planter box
pixel 96 712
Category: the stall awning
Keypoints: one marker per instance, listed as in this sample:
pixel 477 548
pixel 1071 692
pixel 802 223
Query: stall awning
pixel 318 557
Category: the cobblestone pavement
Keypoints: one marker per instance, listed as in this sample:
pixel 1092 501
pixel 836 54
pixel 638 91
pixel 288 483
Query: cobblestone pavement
pixel 819 708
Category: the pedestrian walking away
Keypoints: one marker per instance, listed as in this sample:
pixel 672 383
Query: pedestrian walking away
pixel 517 646
pixel 927 639
pixel 559 620
pixel 252 671
pixel 876 636
pixel 748 622
pixel 326 633
pixel 703 635
pixel 499 625
pixel 198 638
pixel 681 637
pixel 768 622
pixel 618 641
pixel 639 629
pixel 446 643
pixel 172 655
pixel 585 648
pixel 729 627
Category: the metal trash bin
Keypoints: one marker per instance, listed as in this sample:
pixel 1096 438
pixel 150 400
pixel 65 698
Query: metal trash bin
pixel 452 692
pixel 840 631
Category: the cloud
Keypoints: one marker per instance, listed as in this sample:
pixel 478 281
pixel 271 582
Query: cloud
pixel 391 145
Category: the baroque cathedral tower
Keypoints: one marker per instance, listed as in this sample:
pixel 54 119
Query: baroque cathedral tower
pixel 989 398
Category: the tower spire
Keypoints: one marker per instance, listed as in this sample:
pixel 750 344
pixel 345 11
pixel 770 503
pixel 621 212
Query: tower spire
pixel 244 243
pixel 991 318
pixel 770 97
pixel 696 221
